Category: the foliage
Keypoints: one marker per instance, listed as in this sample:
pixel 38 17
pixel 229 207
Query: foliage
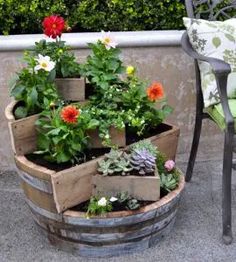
pixel 34 88
pixel 145 144
pixel 100 206
pixel 169 179
pixel 103 66
pixel 143 161
pixel 119 101
pixel 59 141
pixel 115 163
pixel 124 200
pixel 120 15
pixel 66 65
pixel 95 209
pixel 168 182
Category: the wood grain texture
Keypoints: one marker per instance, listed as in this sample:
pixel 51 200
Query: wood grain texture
pixel 117 138
pixel 39 198
pixel 167 142
pixel 23 135
pixel 71 89
pixel 74 185
pixel 110 235
pixel 140 187
pixel 33 169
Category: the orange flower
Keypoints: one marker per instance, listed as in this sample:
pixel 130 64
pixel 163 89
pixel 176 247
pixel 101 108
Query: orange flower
pixel 69 114
pixel 155 91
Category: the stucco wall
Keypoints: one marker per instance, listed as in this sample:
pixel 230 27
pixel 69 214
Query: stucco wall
pixel 166 64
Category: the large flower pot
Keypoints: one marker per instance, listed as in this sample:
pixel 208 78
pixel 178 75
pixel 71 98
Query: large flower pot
pixel 72 185
pixel 113 234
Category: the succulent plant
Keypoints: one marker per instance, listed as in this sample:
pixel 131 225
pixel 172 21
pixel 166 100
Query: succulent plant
pixel 143 161
pixel 145 144
pixel 115 162
pixel 168 182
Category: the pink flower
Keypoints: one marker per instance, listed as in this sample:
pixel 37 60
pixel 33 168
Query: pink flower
pixel 169 165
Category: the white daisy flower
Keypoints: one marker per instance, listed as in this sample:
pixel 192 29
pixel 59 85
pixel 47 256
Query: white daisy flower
pixel 113 199
pixel 102 202
pixel 45 63
pixel 108 40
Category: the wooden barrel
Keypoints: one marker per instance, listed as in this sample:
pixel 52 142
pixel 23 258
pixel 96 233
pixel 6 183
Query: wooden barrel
pixel 114 234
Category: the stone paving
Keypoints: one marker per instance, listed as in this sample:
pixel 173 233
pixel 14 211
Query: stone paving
pixel 196 236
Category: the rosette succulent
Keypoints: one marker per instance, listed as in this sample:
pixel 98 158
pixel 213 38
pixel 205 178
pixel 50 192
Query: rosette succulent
pixel 143 161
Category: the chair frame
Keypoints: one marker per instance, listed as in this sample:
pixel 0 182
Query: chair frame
pixel 221 71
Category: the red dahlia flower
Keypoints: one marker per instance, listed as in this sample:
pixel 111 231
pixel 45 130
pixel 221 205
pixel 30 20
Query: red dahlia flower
pixel 53 26
pixel 70 114
pixel 155 91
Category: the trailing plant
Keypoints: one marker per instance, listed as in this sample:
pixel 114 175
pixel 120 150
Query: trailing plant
pixel 115 163
pixel 33 85
pixel 62 134
pixel 143 161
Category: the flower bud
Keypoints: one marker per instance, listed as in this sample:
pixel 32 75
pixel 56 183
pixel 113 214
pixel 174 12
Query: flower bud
pixel 130 70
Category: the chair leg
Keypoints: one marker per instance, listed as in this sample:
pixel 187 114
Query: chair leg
pixel 195 143
pixel 226 188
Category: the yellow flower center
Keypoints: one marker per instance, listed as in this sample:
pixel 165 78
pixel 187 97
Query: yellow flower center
pixel 107 40
pixel 44 65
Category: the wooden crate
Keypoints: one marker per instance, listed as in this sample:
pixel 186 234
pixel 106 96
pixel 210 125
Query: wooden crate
pixel 117 138
pixel 140 187
pixel 71 89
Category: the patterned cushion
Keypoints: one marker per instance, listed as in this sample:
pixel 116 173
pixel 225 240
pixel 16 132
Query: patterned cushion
pixel 214 39
pixel 217 114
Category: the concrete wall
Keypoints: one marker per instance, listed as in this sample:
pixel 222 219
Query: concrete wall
pixel 164 63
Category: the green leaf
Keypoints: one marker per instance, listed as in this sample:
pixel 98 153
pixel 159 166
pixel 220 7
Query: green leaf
pixel 17 90
pixel 34 95
pixel 21 112
pixel 230 37
pixel 93 124
pixel 52 75
pixel 216 42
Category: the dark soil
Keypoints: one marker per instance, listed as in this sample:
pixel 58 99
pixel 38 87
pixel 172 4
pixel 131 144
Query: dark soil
pixel 82 207
pixel 132 137
pixel 89 155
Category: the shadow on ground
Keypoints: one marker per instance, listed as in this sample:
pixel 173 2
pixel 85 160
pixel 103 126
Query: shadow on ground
pixel 196 235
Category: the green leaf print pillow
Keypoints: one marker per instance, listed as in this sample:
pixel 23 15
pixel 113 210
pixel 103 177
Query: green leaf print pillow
pixel 214 39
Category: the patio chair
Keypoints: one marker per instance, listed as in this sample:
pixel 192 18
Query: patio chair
pixel 225 114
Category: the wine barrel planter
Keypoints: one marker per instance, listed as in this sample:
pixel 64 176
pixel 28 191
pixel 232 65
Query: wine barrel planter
pixel 113 234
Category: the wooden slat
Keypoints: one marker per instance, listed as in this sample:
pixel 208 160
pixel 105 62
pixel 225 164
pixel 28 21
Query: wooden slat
pixel 39 198
pixel 140 187
pixel 23 135
pixel 71 89
pixel 32 169
pixel 117 138
pixel 167 142
pixel 74 185
pixel 8 111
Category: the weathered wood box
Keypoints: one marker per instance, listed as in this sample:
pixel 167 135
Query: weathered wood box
pixel 71 89
pixel 73 185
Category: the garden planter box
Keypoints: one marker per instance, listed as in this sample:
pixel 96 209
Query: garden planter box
pixel 117 137
pixel 115 233
pixel 71 89
pixel 140 187
pixel 70 186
